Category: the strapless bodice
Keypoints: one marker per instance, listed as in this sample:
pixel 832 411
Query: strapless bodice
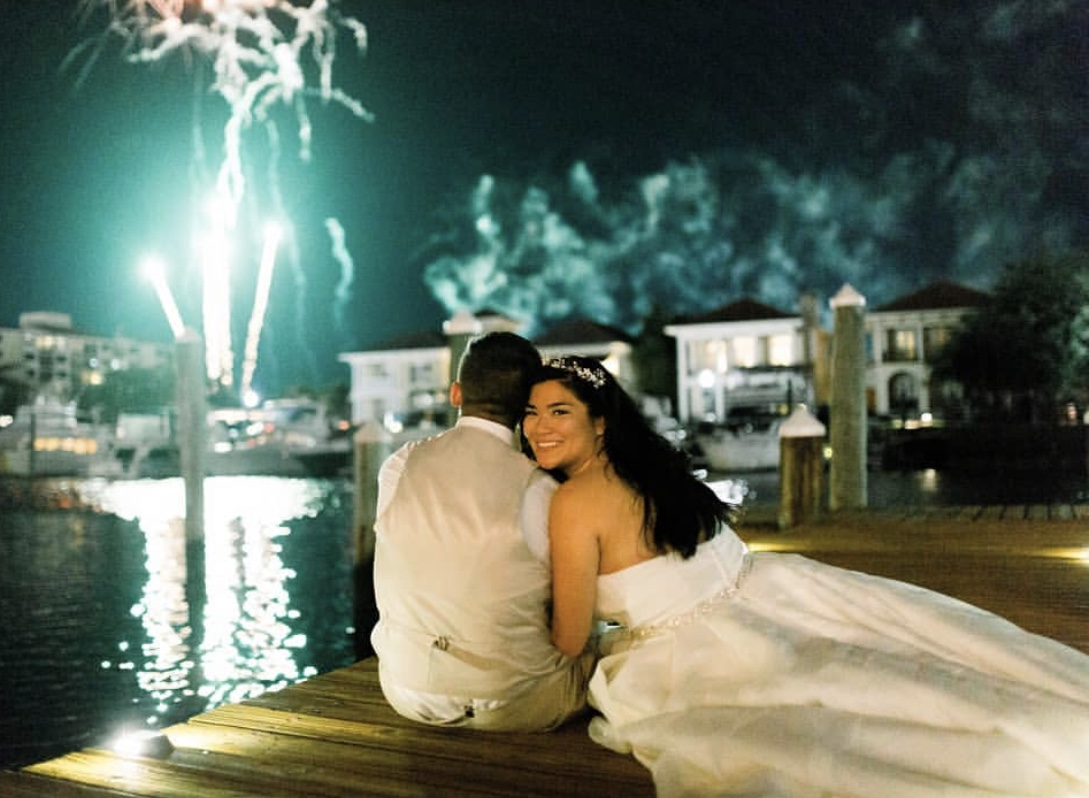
pixel 655 591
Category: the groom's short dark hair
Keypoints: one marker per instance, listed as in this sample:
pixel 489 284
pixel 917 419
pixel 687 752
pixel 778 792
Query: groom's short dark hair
pixel 495 372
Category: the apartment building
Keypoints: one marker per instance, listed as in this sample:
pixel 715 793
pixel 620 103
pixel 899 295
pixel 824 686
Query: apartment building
pixel 48 356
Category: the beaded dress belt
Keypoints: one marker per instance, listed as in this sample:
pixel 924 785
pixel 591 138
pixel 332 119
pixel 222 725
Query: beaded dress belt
pixel 705 607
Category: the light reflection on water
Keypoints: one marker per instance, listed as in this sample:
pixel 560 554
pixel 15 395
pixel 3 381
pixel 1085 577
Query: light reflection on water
pixel 155 663
pixel 247 647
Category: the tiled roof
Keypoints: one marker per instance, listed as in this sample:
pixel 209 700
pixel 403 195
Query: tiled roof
pixel 741 310
pixel 938 296
pixel 580 331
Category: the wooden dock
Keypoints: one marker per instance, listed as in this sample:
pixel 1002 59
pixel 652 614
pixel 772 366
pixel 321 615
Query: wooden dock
pixel 334 735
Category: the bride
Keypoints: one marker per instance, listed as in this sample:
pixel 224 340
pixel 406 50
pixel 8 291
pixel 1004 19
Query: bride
pixel 741 673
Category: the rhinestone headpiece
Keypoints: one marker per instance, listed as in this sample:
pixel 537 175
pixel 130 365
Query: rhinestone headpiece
pixel 595 375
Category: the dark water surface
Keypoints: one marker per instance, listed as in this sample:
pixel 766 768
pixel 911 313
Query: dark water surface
pixel 97 640
pixel 932 488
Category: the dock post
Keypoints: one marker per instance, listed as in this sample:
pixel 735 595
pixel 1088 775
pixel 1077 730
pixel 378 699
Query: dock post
pixel 192 420
pixel 801 468
pixel 847 480
pixel 372 445
pixel 189 393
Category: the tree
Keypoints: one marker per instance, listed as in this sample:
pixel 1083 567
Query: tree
pixel 13 390
pixel 1027 351
pixel 654 359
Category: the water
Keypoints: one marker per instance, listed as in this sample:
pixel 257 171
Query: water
pixel 928 488
pixel 97 638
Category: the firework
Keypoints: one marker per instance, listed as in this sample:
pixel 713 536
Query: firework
pixel 264 54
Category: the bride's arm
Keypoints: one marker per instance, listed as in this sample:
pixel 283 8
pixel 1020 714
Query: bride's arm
pixel 575 558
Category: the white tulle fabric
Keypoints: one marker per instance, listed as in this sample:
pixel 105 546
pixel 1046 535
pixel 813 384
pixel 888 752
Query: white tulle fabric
pixel 763 674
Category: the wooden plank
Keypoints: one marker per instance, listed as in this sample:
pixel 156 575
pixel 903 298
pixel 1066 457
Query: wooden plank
pixel 969 512
pixel 1060 512
pixel 148 777
pixel 20 784
pixel 991 513
pixel 347 755
pixel 1037 512
pixel 549 752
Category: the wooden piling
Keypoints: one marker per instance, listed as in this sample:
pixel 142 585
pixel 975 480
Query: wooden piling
pixel 847 478
pixel 372 445
pixel 801 468
pixel 189 393
pixel 192 421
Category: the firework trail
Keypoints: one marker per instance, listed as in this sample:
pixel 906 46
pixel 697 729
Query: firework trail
pixel 347 270
pixel 260 306
pixel 264 54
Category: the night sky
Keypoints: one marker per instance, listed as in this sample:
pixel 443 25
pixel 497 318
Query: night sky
pixel 690 151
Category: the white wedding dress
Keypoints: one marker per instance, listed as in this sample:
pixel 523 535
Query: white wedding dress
pixel 763 674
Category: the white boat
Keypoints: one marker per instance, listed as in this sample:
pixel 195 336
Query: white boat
pixel 740 447
pixel 48 439
pixel 285 438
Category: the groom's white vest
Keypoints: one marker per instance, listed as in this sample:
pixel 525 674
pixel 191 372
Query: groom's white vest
pixel 462 601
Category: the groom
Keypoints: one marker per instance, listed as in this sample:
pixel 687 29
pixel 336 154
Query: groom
pixel 461 567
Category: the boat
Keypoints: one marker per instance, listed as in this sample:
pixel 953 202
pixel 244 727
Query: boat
pixel 49 439
pixel 747 441
pixel 284 438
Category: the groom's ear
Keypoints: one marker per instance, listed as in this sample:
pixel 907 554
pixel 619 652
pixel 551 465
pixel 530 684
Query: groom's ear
pixel 455 394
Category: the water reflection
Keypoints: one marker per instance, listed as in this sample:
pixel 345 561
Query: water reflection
pixel 248 645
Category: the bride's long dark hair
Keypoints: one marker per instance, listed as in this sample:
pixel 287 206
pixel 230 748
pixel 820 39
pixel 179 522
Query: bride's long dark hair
pixel 679 510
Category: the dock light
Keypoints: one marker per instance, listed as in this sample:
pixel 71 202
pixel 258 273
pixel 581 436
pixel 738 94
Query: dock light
pixel 153 744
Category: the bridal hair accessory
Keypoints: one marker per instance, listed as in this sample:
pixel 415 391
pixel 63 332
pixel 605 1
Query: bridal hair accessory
pixel 595 375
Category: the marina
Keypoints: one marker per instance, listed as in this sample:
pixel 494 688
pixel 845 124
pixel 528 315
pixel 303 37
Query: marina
pixel 284 438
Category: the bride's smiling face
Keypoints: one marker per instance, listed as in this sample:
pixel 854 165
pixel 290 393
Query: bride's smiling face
pixel 559 428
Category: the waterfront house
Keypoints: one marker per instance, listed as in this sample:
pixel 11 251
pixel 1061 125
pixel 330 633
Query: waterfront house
pixel 902 339
pixel 580 336
pixel 404 381
pixel 400 381
pixel 747 357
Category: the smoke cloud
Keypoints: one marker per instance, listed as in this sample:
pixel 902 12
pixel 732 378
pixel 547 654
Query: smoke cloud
pixel 964 152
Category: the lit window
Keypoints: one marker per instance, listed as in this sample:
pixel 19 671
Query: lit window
pixel 902 345
pixel 781 350
pixel 745 351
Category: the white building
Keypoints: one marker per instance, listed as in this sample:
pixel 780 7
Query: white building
pixel 48 356
pixel 902 339
pixel 744 355
pixel 589 339
pixel 406 380
pixel 400 380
